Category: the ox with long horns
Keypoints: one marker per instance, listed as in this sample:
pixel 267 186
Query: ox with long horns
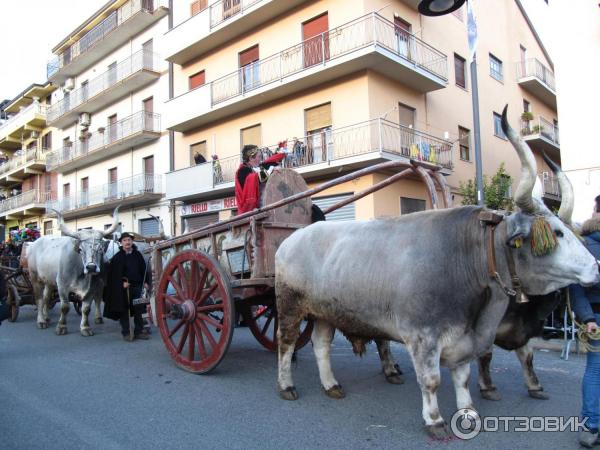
pixel 70 264
pixel 356 276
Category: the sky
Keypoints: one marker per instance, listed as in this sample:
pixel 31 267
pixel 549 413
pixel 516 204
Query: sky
pixel 30 29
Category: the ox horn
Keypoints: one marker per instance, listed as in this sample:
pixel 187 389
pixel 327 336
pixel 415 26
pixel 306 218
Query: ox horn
pixel 115 223
pixel 566 189
pixel 523 194
pixel 64 228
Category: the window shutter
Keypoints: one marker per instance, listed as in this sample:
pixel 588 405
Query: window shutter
pixel 197 6
pixel 344 213
pixel 149 227
pixel 248 56
pixel 196 222
pixel 318 117
pixel 198 79
pixel 251 135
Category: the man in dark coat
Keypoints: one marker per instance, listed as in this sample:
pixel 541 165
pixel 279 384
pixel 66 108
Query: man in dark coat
pixel 126 276
pixel 4 309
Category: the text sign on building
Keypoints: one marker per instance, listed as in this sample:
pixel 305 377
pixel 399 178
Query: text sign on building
pixel 208 206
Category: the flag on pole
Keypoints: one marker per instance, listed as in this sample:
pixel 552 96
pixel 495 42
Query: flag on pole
pixel 471 30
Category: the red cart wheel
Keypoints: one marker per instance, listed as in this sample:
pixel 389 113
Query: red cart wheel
pixel 14 312
pixel 13 307
pixel 262 321
pixel 195 311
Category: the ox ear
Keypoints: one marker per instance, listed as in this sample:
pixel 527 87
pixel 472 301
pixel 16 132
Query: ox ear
pixel 517 229
pixel 77 246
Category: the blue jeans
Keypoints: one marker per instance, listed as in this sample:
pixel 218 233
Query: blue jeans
pixel 590 386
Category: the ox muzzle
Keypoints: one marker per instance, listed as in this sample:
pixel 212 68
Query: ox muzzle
pixel 91 268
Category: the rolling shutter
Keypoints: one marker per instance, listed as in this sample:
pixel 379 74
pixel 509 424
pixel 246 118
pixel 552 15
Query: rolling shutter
pixel 149 227
pixel 318 117
pixel 251 136
pixel 199 221
pixel 344 213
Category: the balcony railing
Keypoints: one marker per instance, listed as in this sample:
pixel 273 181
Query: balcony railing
pixel 543 127
pixel 377 135
pixel 99 32
pixel 23 157
pixel 534 68
pixel 223 10
pixel 35 107
pixel 371 29
pixel 127 187
pixel 26 198
pixel 136 123
pixel 141 60
pixel 550 185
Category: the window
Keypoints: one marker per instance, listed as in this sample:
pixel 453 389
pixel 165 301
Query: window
pixel 459 71
pixel 112 183
pixel 496 68
pixel 47 141
pixel 318 133
pixel 526 106
pixel 84 90
pixel 464 136
pixel 198 153
pixel 315 40
pixel 411 205
pixel 248 62
pixel 196 80
pixel 403 37
pixel 85 191
pixel 498 126
pixel 251 135
pixel 149 227
pixel 47 227
pixel 197 6
pixel 148 165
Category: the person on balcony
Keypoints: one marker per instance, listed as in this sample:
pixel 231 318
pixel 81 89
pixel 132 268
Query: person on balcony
pixel 250 174
pixel 199 158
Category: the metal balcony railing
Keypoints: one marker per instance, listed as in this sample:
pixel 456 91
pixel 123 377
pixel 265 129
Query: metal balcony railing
pixel 26 198
pixel 136 185
pixel 141 60
pixel 129 126
pixel 534 68
pixel 377 135
pixel 368 30
pixel 23 157
pixel 541 126
pixel 550 184
pixel 100 31
pixel 35 107
pixel 223 10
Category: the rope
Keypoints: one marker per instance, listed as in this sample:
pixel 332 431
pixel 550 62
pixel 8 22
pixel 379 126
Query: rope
pixel 582 335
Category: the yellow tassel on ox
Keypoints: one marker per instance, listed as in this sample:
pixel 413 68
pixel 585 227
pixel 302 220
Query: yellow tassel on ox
pixel 543 239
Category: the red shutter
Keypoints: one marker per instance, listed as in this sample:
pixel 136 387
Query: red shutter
pixel 248 56
pixel 197 79
pixel 315 40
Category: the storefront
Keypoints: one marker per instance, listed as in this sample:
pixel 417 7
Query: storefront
pixel 198 215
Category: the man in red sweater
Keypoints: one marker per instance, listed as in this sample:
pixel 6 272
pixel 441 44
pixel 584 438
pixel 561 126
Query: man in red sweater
pixel 249 176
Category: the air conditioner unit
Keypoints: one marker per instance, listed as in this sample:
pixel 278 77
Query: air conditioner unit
pixel 35 135
pixel 69 84
pixel 85 119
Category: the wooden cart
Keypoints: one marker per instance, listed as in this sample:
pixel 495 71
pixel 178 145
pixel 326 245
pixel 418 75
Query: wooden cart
pixel 205 278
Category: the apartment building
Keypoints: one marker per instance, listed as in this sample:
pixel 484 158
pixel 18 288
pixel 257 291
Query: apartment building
pixel 110 147
pixel 25 140
pixel 343 85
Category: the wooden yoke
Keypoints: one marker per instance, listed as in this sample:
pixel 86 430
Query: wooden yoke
pixel 269 233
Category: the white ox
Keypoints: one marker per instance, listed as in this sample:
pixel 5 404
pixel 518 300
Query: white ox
pixel 70 264
pixel 422 279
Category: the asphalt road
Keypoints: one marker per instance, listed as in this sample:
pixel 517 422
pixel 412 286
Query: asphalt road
pixel 71 392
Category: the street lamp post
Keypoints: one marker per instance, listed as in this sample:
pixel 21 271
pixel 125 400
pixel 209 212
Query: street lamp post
pixel 435 8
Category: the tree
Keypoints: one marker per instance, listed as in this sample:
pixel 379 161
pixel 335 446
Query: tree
pixel 495 192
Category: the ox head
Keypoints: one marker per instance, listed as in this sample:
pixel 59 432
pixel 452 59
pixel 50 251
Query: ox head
pixel 547 254
pixel 90 244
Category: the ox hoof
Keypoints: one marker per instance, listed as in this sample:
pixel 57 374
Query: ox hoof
pixel 47 319
pixel 42 325
pixel 335 392
pixel 86 332
pixel 289 393
pixel 61 331
pixel 491 394
pixel 538 394
pixel 98 320
pixel 394 378
pixel 438 431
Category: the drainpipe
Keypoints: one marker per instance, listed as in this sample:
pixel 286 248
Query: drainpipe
pixel 171 132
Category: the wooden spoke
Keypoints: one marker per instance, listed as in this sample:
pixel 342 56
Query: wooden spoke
pixel 182 339
pixel 176 328
pixel 210 308
pixel 191 341
pixel 173 300
pixel 266 326
pixel 206 332
pixel 210 320
pixel 201 348
pixel 177 288
pixel 207 293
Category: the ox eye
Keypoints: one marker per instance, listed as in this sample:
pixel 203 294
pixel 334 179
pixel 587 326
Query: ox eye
pixel 559 233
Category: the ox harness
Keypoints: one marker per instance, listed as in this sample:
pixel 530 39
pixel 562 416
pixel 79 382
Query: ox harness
pixel 490 220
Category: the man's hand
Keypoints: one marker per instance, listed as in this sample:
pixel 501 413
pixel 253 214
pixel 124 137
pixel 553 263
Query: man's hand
pixel 146 286
pixel 125 284
pixel 590 327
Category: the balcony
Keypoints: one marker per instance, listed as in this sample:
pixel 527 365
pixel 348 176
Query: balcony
pixel 369 42
pixel 222 21
pixel 538 80
pixel 30 118
pixel 321 154
pixel 27 204
pixel 136 190
pixel 112 32
pixel 23 164
pixel 550 187
pixel 541 135
pixel 137 71
pixel 135 130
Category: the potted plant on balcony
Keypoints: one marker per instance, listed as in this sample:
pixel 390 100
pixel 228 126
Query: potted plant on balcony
pixel 527 116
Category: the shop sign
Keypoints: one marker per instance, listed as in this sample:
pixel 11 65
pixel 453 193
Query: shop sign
pixel 208 206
